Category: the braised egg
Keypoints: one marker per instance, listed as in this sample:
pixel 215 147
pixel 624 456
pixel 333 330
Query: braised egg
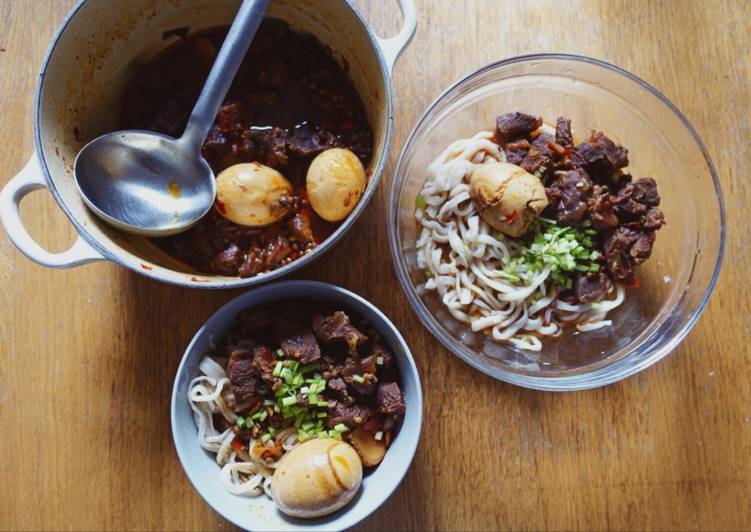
pixel 252 194
pixel 316 478
pixel 335 183
pixel 507 197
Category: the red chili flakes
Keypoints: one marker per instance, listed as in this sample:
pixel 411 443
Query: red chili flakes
pixel 146 267
pixel 220 206
pixel 199 280
pixel 634 282
pixel 510 217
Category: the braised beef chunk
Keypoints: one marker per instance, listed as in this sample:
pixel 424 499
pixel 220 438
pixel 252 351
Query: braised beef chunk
pixel 390 400
pixel 600 156
pixel 378 351
pixel 306 142
pixel 645 191
pixel 642 248
pixel 360 375
pixel 654 219
pixel 563 132
pixel 591 287
pixel 601 212
pixel 337 327
pixel 300 226
pixel 263 364
pixel 567 196
pixel 616 248
pixel 512 126
pixel 349 415
pixel 243 377
pixel 302 346
pixel 253 263
pixel 339 387
pixel 516 151
pixel 227 262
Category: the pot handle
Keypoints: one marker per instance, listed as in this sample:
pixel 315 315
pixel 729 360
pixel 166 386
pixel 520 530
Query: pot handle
pixel 393 46
pixel 26 181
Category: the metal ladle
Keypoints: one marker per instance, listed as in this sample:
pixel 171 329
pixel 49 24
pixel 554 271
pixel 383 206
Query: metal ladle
pixel 155 185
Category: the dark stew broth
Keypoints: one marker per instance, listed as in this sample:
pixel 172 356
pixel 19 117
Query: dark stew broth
pixel 290 101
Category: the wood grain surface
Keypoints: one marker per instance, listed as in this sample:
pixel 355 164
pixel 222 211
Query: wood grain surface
pixel 88 355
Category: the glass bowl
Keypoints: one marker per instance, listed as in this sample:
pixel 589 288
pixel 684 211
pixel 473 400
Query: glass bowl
pixel 675 283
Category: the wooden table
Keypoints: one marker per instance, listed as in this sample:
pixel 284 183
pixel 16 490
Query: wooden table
pixel 88 355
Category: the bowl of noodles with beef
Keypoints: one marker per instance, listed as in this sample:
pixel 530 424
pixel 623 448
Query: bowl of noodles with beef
pixel 296 405
pixel 556 222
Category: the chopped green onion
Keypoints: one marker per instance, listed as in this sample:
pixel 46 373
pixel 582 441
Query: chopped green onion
pixel 420 202
pixel 321 414
pixel 240 422
pixel 378 435
pixel 307 368
pixel 289 401
pixel 277 369
pixel 341 427
pixel 323 404
pixel 358 378
pixel 266 437
pixel 280 352
pixel 379 361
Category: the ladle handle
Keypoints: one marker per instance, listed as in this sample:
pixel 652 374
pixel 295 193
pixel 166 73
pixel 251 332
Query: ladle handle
pixel 227 62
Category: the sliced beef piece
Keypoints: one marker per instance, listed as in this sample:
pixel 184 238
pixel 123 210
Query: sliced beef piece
pixel 264 363
pixel 228 262
pixel 390 399
pixel 339 387
pixel 512 126
pixel 601 213
pixel 243 376
pixel 300 226
pixel 302 346
pixel 563 132
pixel 337 328
pixel 568 196
pixel 349 415
pixel 654 219
pixel 600 156
pixel 591 287
pixel 645 191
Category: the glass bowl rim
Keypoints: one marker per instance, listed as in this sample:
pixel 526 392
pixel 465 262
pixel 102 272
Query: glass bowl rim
pixel 609 373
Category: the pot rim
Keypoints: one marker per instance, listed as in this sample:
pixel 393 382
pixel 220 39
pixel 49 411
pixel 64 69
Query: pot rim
pixel 168 276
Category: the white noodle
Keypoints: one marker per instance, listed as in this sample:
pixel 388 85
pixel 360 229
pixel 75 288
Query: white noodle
pixel 464 259
pixel 245 473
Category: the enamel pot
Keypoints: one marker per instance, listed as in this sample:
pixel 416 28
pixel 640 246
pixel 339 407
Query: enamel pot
pixel 78 94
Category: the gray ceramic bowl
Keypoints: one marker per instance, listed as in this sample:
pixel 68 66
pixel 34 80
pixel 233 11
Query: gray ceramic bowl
pixel 260 513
